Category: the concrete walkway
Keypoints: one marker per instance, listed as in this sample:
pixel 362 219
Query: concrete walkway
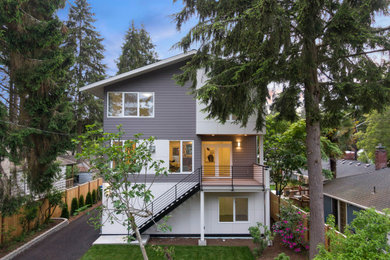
pixel 70 243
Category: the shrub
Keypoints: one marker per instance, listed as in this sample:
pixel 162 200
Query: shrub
pixel 30 213
pixel 365 238
pixel 65 211
pixel 291 228
pixel 261 239
pixel 282 256
pixel 74 206
pixel 88 199
pixel 100 193
pixel 81 201
pixel 94 196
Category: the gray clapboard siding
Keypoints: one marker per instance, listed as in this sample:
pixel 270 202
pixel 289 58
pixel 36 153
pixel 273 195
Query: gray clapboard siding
pixel 174 112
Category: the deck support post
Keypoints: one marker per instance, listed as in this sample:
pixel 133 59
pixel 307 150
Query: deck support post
pixel 267 220
pixel 202 241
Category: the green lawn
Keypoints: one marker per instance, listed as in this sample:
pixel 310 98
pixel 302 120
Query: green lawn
pixel 118 252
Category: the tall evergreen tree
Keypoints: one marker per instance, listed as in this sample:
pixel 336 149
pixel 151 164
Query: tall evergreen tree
pixel 320 48
pixel 33 36
pixel 86 44
pixel 137 51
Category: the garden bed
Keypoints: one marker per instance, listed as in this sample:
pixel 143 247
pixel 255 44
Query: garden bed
pixel 21 240
pixel 269 253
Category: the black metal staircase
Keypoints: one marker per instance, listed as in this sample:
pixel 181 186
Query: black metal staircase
pixel 170 200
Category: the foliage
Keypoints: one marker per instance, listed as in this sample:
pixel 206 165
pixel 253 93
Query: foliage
pixel 315 51
pixel 365 238
pixel 120 164
pixel 81 209
pixel 81 201
pixel 124 252
pixel 29 213
pixel 85 43
pixel 69 173
pixel 65 211
pixel 261 235
pixel 54 198
pixel 291 227
pixel 32 42
pixel 377 131
pixel 282 256
pixel 74 206
pixel 164 251
pixel 137 50
pixel 88 199
pixel 284 150
pixel 100 193
pixel 94 197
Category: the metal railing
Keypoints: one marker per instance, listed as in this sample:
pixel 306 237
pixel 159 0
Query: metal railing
pixel 164 203
pixel 233 175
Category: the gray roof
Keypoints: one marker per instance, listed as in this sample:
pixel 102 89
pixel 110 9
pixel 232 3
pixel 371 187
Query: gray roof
pixel 359 189
pixel 347 168
pixel 97 88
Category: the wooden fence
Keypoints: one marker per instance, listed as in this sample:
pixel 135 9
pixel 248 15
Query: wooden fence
pixel 274 203
pixel 11 226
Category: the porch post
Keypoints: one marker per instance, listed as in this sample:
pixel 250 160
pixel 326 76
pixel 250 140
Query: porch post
pixel 202 241
pixel 267 220
pixel 261 149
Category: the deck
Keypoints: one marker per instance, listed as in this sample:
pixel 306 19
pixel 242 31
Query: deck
pixel 234 176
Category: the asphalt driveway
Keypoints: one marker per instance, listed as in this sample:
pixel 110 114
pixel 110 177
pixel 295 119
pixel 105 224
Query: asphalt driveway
pixel 69 243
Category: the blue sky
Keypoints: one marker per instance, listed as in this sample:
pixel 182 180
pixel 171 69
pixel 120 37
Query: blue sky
pixel 113 18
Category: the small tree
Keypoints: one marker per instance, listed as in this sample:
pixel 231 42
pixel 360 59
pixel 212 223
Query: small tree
pixel 366 238
pixel 81 201
pixel 54 198
pixel 120 164
pixel 94 196
pixel 65 211
pixel 88 199
pixel 261 235
pixel 74 206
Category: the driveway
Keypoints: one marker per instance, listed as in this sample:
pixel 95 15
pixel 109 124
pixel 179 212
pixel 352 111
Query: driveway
pixel 69 243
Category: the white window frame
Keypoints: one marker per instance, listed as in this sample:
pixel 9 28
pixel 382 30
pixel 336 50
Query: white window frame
pixel 181 156
pixel 123 104
pixel 234 210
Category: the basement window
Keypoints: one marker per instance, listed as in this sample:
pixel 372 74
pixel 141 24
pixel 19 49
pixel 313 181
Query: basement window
pixel 233 209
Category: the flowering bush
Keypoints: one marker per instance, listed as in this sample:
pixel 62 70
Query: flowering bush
pixel 291 228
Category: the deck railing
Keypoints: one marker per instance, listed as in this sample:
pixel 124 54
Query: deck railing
pixel 234 175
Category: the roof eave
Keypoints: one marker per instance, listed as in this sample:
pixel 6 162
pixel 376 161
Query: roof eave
pixel 97 88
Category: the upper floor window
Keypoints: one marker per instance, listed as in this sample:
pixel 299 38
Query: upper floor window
pixel 130 104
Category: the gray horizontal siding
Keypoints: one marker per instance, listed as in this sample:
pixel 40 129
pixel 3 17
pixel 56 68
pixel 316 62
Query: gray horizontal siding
pixel 174 112
pixel 241 157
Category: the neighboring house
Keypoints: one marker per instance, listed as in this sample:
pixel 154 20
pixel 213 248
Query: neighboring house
pixel 357 186
pixel 215 186
pixel 21 180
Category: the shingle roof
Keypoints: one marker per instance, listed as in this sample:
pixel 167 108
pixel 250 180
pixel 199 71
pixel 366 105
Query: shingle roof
pixel 347 168
pixel 359 189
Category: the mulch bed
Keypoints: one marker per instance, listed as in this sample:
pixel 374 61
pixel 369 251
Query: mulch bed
pixel 269 254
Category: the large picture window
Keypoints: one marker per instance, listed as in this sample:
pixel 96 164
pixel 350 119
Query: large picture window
pixel 180 156
pixel 130 104
pixel 233 209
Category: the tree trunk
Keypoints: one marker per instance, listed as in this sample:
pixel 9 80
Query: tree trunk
pixel 138 236
pixel 333 166
pixel 313 115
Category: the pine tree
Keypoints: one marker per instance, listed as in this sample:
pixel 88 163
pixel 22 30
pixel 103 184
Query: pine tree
pixel 86 45
pixel 33 37
pixel 320 48
pixel 137 51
